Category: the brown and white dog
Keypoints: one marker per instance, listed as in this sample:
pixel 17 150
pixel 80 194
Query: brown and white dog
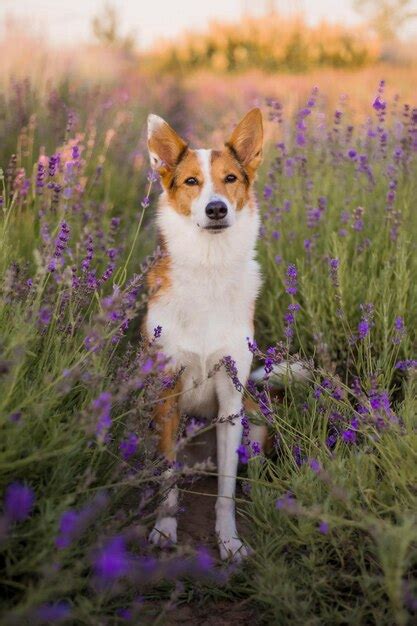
pixel 203 296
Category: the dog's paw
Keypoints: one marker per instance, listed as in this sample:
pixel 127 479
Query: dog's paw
pixel 164 533
pixel 231 548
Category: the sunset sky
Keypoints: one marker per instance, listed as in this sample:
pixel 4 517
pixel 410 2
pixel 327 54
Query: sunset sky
pixel 70 20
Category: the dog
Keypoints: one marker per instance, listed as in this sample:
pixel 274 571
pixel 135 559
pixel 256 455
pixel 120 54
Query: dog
pixel 203 292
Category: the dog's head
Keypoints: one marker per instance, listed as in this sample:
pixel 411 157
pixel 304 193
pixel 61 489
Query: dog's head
pixel 208 186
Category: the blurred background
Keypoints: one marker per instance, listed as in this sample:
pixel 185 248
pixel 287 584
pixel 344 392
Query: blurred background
pixel 214 52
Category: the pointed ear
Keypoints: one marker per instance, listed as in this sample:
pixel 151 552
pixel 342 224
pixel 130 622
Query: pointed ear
pixel 165 146
pixel 247 139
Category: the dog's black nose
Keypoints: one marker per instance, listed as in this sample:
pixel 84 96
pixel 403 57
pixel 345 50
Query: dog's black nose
pixel 216 210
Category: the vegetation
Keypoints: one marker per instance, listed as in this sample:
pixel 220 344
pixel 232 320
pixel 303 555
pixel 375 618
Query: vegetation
pixel 331 513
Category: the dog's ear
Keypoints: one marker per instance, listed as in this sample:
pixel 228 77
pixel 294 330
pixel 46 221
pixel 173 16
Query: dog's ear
pixel 247 139
pixel 165 146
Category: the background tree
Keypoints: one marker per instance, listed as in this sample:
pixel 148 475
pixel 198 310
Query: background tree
pixel 387 17
pixel 106 29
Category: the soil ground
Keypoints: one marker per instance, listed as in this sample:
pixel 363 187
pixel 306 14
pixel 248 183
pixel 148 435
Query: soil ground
pixel 196 527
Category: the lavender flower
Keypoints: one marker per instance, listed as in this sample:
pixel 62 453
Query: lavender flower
pixel 147 366
pixel 19 501
pixel 399 330
pixel 128 447
pixel 112 561
pixel 287 503
pixel 243 454
pixel 406 365
pixel 349 436
pixel 379 104
pixel 73 523
pixel 45 316
pixel 85 263
pixel 289 319
pixel 53 613
pixel 231 369
pixel 291 280
pixel 315 466
pixel 365 323
pixel 61 243
pixel 102 406
pixel 256 448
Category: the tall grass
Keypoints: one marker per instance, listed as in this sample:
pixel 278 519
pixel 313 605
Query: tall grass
pixel 332 512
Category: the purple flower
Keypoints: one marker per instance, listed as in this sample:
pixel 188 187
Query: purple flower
pixel 315 466
pixel 363 328
pixel 405 365
pixel 73 523
pixel 40 177
pixel 252 345
pixel 102 405
pixel 157 332
pixel 147 366
pixel 53 165
pixel 15 417
pixel 204 560
pixel 349 435
pixel 399 330
pixel 85 263
pixel 69 525
pixel 357 219
pixel 323 528
pixel 298 455
pixel 287 503
pixel 379 104
pixel 125 614
pixel 50 613
pixel 62 240
pixel 291 280
pixel 128 447
pixel 45 316
pixel 231 369
pixel 243 454
pixel 112 561
pixel 18 502
pixel 256 448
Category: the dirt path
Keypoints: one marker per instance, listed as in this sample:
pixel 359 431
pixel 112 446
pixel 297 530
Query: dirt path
pixel 196 528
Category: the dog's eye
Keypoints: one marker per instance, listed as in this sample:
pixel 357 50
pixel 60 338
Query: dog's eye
pixel 191 181
pixel 230 178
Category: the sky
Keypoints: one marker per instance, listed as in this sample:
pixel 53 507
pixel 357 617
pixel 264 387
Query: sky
pixel 70 20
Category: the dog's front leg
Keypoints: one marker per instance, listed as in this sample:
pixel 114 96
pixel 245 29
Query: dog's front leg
pixel 167 418
pixel 229 437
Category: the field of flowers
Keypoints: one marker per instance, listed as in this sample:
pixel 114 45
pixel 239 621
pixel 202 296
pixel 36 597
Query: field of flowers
pixel 330 514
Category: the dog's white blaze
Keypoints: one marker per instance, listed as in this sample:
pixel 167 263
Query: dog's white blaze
pixel 198 206
pixel 204 158
pixel 208 194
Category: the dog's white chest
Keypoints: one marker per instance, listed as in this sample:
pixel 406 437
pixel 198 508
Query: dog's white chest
pixel 203 312
pixel 206 311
